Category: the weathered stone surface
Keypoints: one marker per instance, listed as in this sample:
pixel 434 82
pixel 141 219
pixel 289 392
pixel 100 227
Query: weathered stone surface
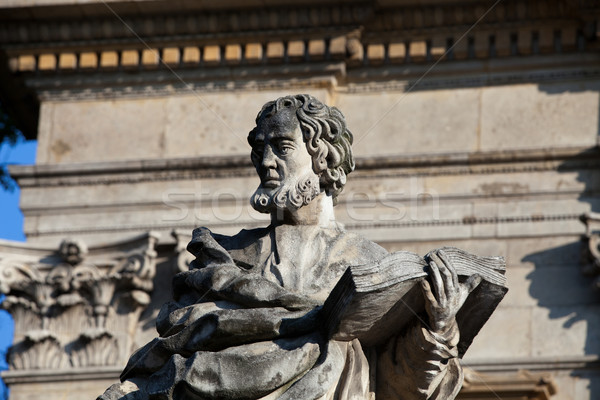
pixel 74 306
pixel 541 242
pixel 256 314
pixel 516 338
pixel 382 123
pixel 553 114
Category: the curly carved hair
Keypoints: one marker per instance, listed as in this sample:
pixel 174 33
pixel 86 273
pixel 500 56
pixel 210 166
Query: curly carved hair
pixel 325 134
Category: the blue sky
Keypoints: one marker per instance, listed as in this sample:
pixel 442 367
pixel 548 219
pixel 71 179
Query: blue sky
pixel 11 219
pixel 11 227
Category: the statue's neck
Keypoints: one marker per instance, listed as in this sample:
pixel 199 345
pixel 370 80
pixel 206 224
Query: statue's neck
pixel 317 212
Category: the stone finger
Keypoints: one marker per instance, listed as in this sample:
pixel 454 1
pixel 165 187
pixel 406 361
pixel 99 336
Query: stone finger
pixel 446 277
pixel 438 284
pixel 446 272
pixel 444 257
pixel 426 287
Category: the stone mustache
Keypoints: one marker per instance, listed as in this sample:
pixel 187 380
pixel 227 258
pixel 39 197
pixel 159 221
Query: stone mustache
pixel 290 311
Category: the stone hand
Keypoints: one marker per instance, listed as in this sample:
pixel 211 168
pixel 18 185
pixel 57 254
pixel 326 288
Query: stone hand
pixel 445 295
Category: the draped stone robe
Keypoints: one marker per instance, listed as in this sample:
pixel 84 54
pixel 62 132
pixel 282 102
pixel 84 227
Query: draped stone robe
pixel 244 324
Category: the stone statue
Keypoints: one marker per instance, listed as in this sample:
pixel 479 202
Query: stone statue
pixel 247 319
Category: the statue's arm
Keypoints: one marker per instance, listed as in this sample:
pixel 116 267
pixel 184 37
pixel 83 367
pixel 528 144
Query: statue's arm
pixel 420 364
pixel 423 362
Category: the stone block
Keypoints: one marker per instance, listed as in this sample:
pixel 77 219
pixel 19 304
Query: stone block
pixel 150 57
pixel 275 51
pixel 295 50
pixel 26 63
pixel 397 52
pixel 67 61
pixel 417 50
pixel 46 62
pixel 565 331
pixel 549 251
pixel 337 47
pixel 435 121
pixel 316 49
pixel 198 125
pixel 171 56
pixel 191 55
pixel 514 342
pixel 254 53
pixel 523 116
pixel 560 286
pixel 212 55
pixel 376 53
pixel 76 126
pixel 485 230
pixel 109 59
pixel 233 53
pixel 88 60
pixel 68 389
pixel 130 58
pixel 518 295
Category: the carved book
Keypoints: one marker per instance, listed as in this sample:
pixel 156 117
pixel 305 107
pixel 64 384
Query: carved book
pixel 371 302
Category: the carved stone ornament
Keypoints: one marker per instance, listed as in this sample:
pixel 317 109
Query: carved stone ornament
pixel 303 309
pixel 73 306
pixel 184 258
pixel 591 252
pixel 518 385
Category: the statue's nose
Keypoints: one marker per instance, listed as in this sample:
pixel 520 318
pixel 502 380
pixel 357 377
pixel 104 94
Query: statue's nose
pixel 268 159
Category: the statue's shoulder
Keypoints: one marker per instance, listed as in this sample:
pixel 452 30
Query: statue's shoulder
pixel 355 248
pixel 242 239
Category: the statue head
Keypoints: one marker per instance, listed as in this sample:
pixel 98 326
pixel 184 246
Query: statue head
pixel 300 148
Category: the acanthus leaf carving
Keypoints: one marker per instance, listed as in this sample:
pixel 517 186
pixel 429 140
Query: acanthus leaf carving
pixel 39 350
pixel 64 288
pixel 94 347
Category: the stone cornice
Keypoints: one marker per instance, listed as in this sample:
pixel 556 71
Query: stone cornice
pixel 534 363
pixel 362 33
pixel 85 51
pixel 488 365
pixel 97 23
pixel 487 162
pixel 65 375
pixel 333 75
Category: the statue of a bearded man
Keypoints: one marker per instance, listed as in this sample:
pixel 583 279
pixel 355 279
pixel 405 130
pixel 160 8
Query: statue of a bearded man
pixel 245 321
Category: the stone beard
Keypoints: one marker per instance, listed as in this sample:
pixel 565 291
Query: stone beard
pixel 289 196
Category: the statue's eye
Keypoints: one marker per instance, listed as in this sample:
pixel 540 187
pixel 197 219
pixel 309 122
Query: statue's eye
pixel 285 147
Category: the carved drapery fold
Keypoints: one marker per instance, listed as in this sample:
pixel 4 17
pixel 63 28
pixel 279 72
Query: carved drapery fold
pixel 73 306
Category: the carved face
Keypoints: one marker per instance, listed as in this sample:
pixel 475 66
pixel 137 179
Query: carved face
pixel 282 160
